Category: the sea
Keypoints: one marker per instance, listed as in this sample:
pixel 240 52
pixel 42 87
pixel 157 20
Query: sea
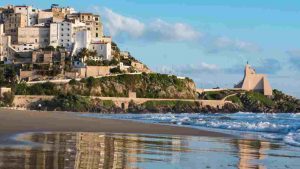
pixel 259 141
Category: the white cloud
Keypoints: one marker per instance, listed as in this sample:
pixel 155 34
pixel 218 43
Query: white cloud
pixel 224 43
pixel 162 30
pixel 189 69
pixel 120 26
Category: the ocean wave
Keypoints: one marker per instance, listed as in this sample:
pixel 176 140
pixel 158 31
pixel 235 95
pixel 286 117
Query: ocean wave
pixel 280 126
pixel 247 126
pixel 293 139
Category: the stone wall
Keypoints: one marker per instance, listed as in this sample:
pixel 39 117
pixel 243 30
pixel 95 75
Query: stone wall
pixel 22 101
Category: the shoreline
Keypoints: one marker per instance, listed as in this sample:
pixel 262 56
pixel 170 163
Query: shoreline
pixel 22 121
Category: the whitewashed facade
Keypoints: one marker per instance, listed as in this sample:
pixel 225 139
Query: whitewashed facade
pixel 103 50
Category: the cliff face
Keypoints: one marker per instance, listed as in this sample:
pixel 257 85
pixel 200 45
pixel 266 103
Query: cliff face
pixel 145 86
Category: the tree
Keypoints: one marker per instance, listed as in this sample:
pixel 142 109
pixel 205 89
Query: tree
pixel 21 89
pixel 2 78
pixel 84 52
pixel 10 74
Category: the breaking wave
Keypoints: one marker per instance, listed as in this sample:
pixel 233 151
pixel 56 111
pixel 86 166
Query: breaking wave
pixel 280 126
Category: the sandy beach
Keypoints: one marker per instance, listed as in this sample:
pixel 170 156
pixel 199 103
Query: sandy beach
pixel 18 121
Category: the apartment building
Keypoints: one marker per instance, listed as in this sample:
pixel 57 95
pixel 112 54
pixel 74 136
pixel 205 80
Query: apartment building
pixel 30 13
pixel 12 22
pixel 45 17
pixel 34 35
pixel 61 34
pixel 103 50
pixel 93 23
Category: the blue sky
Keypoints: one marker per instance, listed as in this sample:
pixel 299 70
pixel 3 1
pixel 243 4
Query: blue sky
pixel 208 40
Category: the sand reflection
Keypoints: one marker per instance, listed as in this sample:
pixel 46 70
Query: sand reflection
pixel 119 151
pixel 91 151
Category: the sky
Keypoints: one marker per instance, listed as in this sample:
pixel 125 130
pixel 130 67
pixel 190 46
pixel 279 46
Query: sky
pixel 208 40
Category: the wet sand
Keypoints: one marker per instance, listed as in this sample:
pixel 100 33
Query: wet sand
pixel 19 121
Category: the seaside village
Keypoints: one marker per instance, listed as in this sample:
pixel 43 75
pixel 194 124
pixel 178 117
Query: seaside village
pixel 59 43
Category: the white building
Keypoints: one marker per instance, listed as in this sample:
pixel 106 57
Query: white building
pixel 103 50
pixel 64 34
pixel 61 34
pixel 30 13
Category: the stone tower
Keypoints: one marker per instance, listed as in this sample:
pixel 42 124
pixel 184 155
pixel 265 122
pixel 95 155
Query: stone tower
pixel 255 82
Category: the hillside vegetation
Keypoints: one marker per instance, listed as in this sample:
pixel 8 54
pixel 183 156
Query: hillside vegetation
pixel 145 85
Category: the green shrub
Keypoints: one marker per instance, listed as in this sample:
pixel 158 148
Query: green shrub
pixel 255 96
pixel 70 102
pixel 47 88
pixel 235 99
pixel 214 95
pixel 108 103
pixel 21 89
pixel 73 82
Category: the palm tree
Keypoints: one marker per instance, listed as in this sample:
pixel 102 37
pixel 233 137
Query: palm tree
pixel 83 53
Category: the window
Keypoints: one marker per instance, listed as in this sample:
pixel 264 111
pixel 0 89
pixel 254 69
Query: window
pixel 96 19
pixel 96 29
pixel 62 40
pixel 62 29
pixel 96 35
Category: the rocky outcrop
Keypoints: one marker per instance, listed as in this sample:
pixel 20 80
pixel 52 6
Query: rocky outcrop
pixel 256 102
